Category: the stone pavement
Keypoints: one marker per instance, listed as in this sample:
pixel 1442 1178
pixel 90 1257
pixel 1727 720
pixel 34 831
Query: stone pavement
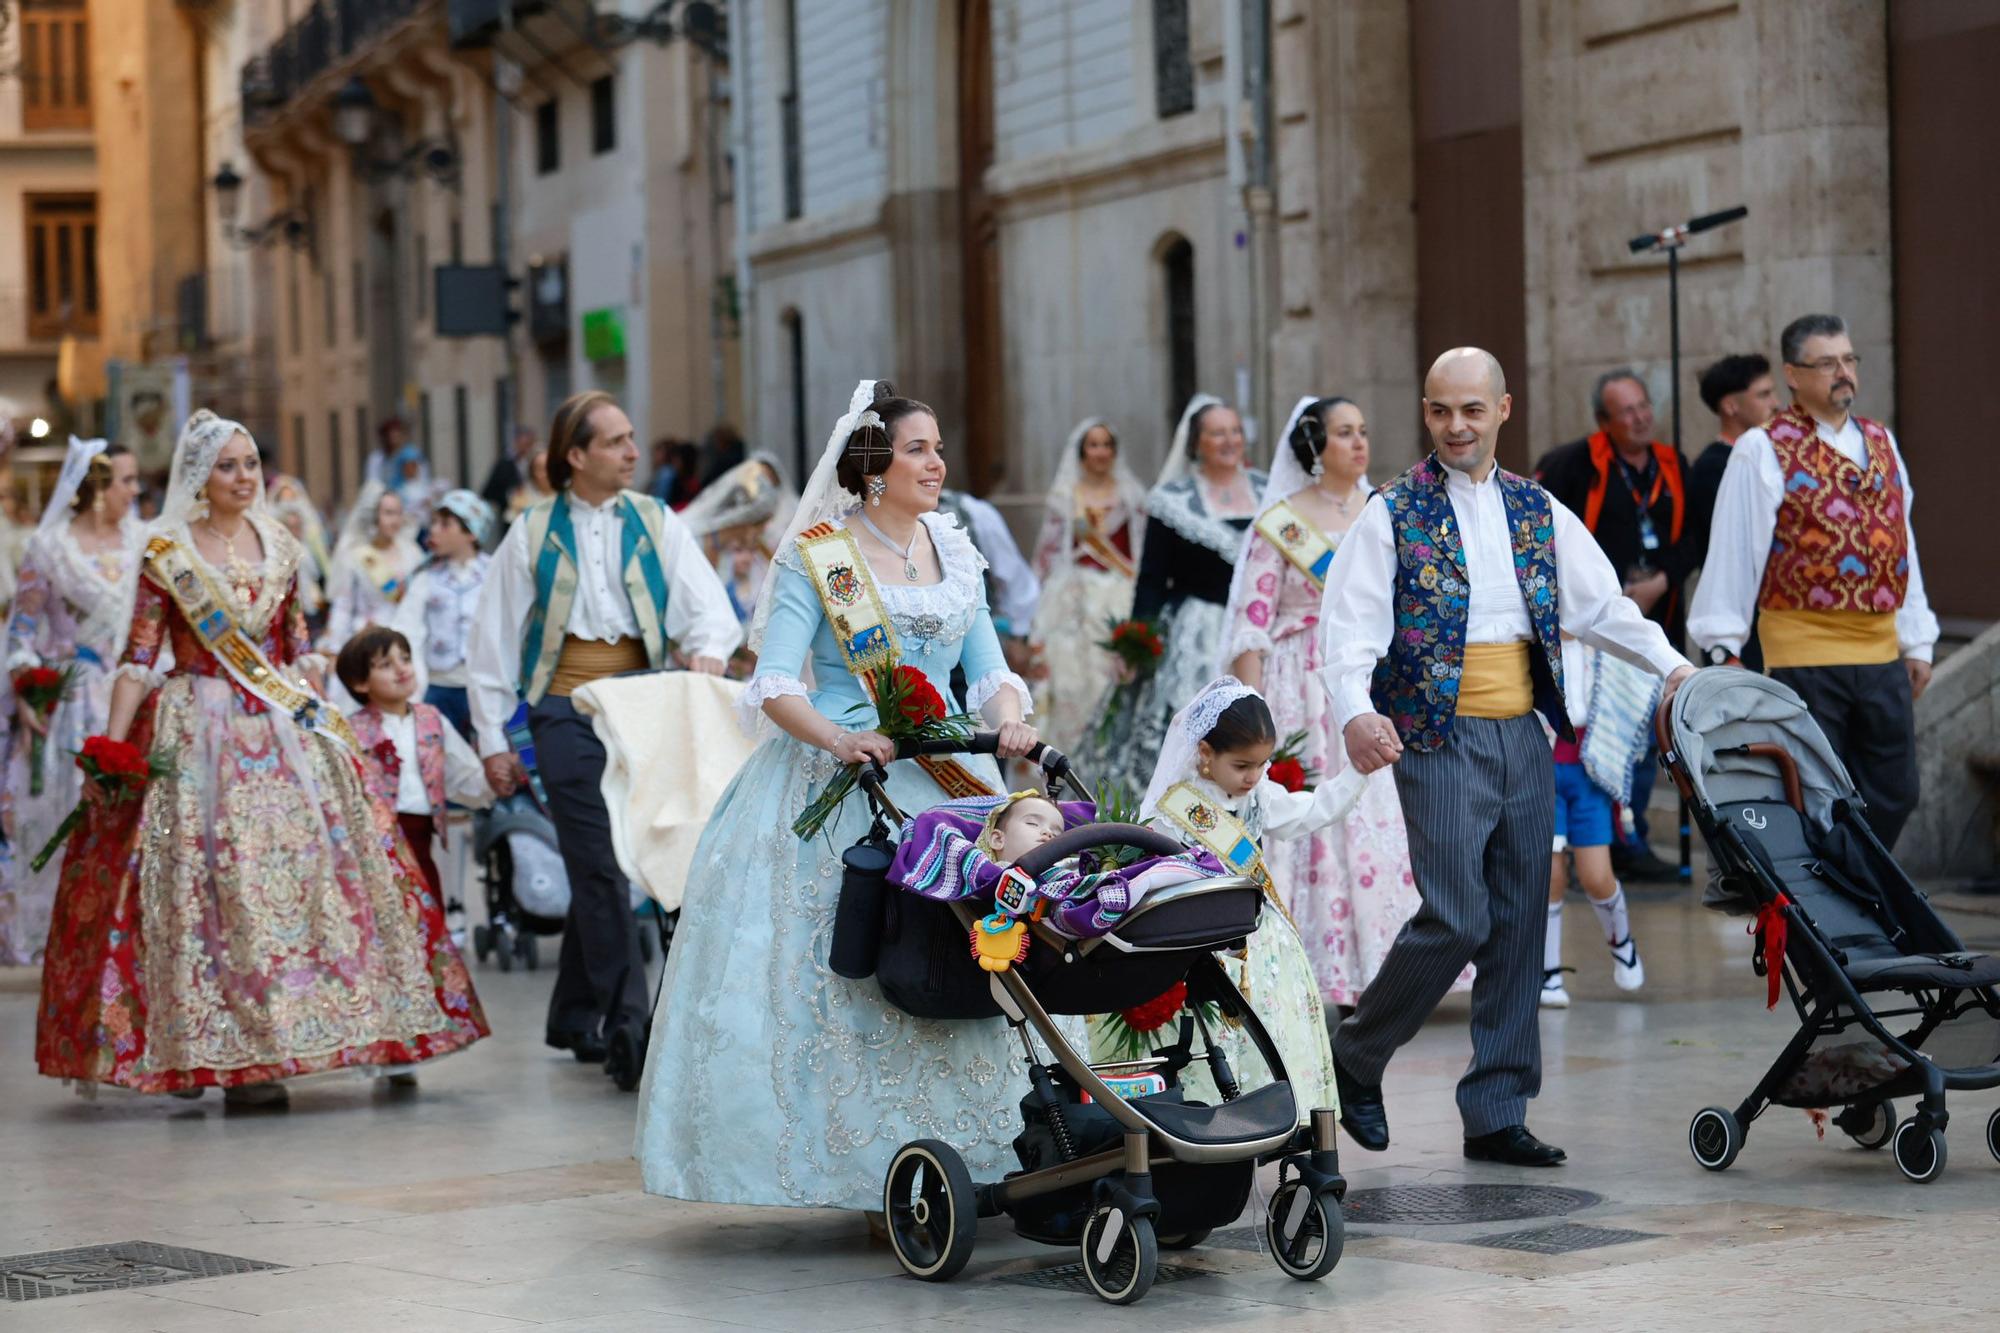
pixel 500 1196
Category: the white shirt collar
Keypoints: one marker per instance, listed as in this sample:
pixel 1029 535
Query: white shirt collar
pixel 584 506
pixel 1463 482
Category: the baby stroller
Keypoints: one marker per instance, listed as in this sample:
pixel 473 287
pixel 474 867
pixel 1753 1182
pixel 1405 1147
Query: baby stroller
pixel 1117 1176
pixel 521 874
pixel 1838 923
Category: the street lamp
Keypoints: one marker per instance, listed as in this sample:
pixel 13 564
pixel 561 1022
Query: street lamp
pixel 354 114
pixel 293 227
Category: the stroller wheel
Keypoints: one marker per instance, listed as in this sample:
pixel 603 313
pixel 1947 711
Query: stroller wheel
pixel 505 943
pixel 482 942
pixel 1126 1271
pixel 1187 1240
pixel 930 1211
pixel 1305 1231
pixel 1869 1126
pixel 529 952
pixel 1715 1137
pixel 1919 1152
pixel 1993 1135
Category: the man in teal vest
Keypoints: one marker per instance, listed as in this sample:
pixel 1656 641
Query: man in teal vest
pixel 596 581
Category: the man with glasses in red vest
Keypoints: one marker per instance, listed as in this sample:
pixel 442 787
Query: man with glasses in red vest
pixel 1631 491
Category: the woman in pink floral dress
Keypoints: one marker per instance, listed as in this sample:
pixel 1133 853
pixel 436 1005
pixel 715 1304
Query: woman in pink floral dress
pixel 1348 887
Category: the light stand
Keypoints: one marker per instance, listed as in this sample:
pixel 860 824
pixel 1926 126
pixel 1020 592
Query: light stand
pixel 1671 240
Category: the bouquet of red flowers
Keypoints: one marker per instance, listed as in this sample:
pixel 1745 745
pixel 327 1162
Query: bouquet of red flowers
pixel 1288 765
pixel 41 688
pixel 907 707
pixel 1136 643
pixel 1131 1034
pixel 114 772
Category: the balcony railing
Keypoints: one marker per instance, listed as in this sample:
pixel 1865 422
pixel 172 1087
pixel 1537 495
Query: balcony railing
pixel 325 35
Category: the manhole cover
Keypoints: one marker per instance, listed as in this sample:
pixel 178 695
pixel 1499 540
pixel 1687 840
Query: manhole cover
pixel 131 1263
pixel 1069 1277
pixel 1451 1205
pixel 1565 1238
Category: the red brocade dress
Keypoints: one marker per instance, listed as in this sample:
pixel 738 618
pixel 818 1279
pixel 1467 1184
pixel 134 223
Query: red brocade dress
pixel 250 918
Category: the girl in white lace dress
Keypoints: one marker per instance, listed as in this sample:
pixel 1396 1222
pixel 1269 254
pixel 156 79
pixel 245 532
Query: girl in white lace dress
pixel 71 611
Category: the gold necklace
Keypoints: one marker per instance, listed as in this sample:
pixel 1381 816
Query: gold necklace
pixel 238 571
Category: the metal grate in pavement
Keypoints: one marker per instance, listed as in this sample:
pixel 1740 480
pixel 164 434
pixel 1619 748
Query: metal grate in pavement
pixel 1455 1205
pixel 1069 1277
pixel 130 1263
pixel 1564 1238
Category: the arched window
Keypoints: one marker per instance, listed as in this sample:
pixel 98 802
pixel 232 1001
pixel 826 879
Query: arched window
pixel 1177 272
pixel 795 371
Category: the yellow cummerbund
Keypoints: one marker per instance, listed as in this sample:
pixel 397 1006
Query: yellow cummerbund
pixel 1827 638
pixel 1495 682
pixel 585 660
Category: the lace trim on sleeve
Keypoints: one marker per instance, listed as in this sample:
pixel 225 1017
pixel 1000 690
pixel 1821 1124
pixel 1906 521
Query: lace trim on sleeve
pixel 980 692
pixel 146 675
pixel 760 691
pixel 1246 639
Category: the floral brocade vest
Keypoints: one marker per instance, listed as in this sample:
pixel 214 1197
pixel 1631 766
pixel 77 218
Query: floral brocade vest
pixel 1841 543
pixel 1416 684
pixel 380 766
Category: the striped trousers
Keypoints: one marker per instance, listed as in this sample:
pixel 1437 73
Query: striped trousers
pixel 1480 811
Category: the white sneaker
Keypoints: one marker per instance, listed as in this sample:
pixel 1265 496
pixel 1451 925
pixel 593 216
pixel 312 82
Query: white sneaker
pixel 1554 994
pixel 1628 971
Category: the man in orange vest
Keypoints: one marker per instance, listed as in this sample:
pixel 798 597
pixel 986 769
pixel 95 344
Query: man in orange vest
pixel 1631 491
pixel 1812 534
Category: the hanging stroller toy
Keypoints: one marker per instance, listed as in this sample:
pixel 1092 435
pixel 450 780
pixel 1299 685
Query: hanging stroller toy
pixel 1115 1160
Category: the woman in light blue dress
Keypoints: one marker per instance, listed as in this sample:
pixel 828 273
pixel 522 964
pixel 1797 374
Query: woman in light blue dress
pixel 770 1079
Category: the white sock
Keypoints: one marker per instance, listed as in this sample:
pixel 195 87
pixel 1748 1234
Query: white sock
pixel 1611 915
pixel 1552 948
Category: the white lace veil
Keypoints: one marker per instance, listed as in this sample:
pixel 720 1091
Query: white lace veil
pixel 358 528
pixel 1176 464
pixel 1189 728
pixel 824 500
pixel 202 439
pixel 76 466
pixel 1288 478
pixel 1062 491
pixel 744 495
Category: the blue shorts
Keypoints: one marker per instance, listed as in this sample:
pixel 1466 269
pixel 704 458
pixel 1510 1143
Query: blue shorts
pixel 1583 809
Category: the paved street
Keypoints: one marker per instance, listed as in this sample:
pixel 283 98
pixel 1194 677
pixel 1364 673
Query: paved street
pixel 500 1195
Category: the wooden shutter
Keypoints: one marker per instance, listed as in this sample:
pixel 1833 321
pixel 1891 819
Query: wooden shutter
pixel 62 265
pixel 55 65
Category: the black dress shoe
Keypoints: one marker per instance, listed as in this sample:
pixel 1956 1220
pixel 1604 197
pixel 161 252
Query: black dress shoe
pixel 1514 1146
pixel 587 1047
pixel 1647 868
pixel 1362 1114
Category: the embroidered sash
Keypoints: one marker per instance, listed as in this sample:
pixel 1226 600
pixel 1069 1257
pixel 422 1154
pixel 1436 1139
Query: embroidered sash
pixel 1092 537
pixel 208 615
pixel 1299 541
pixel 862 631
pixel 1222 833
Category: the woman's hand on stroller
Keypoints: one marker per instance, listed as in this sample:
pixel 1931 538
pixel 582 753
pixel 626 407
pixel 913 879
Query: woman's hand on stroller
pixel 856 747
pixel 1016 739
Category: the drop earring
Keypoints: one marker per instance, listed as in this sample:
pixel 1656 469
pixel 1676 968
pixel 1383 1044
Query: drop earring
pixel 876 489
pixel 1319 467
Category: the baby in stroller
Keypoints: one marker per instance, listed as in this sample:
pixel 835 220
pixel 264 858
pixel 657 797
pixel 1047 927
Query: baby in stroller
pixel 944 856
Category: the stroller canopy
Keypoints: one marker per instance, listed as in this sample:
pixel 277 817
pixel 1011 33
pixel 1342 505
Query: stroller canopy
pixel 1723 708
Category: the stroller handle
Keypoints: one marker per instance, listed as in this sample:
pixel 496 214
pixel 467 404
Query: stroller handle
pixel 1150 841
pixel 1052 761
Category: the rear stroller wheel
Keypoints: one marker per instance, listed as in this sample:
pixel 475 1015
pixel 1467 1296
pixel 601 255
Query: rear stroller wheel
pixel 929 1209
pixel 1919 1151
pixel 1121 1256
pixel 1993 1135
pixel 504 944
pixel 1870 1127
pixel 1715 1137
pixel 1305 1231
pixel 528 951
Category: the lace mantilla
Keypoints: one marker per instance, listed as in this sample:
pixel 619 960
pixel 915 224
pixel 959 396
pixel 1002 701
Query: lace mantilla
pixel 931 613
pixel 1178 504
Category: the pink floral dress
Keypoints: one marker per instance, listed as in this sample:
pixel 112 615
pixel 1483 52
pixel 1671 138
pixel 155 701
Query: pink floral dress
pixel 1348 887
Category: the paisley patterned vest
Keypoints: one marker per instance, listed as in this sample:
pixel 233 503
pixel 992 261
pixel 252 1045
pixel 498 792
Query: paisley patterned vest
pixel 1841 543
pixel 378 777
pixel 1416 685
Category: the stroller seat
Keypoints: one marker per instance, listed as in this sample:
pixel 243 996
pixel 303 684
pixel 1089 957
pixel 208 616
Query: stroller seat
pixel 1866 940
pixel 1255 1115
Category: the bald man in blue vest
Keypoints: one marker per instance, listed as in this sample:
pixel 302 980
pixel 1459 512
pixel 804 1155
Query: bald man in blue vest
pixel 1441 628
pixel 598 580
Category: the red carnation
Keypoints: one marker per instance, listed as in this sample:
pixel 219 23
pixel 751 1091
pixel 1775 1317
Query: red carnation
pixel 921 702
pixel 1289 774
pixel 1157 1012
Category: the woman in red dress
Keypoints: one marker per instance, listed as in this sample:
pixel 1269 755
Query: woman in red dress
pixel 251 918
